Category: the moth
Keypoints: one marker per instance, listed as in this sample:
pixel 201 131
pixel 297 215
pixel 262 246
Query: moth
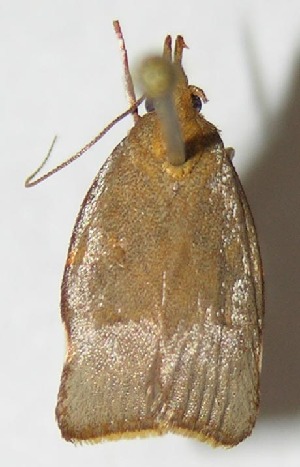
pixel 162 294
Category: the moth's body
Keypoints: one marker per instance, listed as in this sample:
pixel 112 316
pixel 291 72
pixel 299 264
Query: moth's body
pixel 162 293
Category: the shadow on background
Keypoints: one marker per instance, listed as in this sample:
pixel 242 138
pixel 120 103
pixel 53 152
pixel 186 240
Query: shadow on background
pixel 273 190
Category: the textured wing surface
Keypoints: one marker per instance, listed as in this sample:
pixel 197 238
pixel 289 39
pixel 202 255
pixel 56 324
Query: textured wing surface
pixel 212 355
pixel 162 303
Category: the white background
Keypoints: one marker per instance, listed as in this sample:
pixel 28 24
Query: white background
pixel 61 74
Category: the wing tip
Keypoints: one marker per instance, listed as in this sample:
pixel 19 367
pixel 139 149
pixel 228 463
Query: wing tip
pixel 214 440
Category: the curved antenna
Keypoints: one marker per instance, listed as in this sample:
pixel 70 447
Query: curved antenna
pixel 29 182
pixel 133 109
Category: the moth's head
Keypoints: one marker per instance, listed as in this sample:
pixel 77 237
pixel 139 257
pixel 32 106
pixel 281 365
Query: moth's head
pixel 168 93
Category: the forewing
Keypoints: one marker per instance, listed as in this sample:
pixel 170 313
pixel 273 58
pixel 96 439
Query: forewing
pixel 110 373
pixel 212 358
pixel 161 300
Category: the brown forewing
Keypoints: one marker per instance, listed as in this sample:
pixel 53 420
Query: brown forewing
pixel 162 300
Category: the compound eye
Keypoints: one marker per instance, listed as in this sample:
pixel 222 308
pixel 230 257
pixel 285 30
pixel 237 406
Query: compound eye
pixel 149 105
pixel 197 102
